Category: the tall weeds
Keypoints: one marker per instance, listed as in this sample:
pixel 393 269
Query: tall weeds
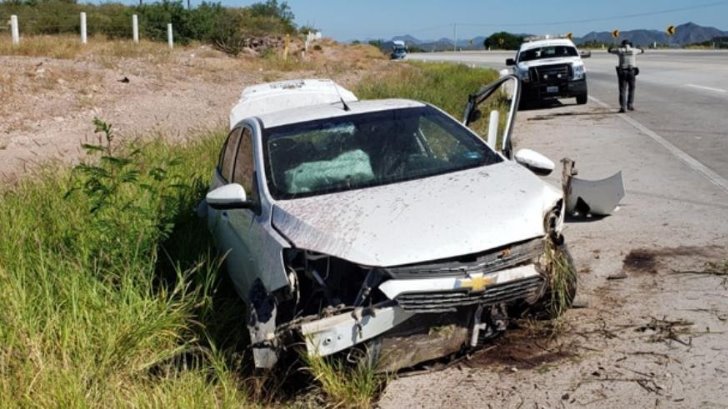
pixel 92 311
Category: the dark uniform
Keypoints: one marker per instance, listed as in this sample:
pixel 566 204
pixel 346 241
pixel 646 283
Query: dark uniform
pixel 626 72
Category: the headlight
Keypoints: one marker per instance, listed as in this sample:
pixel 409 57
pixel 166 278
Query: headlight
pixel 579 71
pixel 523 74
pixel 554 220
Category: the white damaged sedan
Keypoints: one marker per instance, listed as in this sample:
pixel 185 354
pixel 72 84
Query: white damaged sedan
pixel 382 224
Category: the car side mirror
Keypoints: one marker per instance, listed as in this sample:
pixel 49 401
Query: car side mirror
pixel 231 196
pixel 534 161
pixel 475 115
pixel 510 61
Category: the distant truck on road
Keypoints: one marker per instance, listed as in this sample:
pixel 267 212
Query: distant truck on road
pixel 399 50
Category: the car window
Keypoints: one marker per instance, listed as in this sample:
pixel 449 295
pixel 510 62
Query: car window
pixel 438 139
pixel 244 172
pixel 548 52
pixel 227 159
pixel 371 149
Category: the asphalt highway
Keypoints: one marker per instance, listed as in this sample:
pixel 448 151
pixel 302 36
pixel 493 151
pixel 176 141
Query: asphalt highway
pixel 681 100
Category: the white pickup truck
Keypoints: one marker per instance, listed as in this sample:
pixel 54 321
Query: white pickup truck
pixel 550 68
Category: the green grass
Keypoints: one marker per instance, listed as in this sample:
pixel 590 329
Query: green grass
pixel 444 85
pixel 562 276
pixel 111 294
pixel 345 385
pixel 92 312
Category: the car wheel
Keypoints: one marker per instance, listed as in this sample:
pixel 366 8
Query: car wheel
pixel 581 99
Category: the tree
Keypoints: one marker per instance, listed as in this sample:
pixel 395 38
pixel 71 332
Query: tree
pixel 271 8
pixel 503 41
pixel 375 43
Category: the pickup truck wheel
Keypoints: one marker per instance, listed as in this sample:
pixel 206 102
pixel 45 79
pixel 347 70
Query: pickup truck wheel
pixel 581 99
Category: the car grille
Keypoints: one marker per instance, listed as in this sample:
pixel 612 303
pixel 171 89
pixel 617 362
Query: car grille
pixel 449 300
pixel 550 73
pixel 490 261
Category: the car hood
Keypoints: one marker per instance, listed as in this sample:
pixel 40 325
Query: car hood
pixel 548 61
pixel 421 220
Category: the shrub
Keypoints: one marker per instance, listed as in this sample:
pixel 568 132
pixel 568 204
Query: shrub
pixel 208 22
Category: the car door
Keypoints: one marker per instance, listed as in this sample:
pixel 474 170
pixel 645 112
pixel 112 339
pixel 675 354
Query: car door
pixel 236 230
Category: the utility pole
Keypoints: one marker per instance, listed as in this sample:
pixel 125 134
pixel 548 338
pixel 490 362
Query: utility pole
pixel 455 35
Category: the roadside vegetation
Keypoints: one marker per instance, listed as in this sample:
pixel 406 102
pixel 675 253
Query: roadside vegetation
pixel 442 84
pixel 226 28
pixel 111 294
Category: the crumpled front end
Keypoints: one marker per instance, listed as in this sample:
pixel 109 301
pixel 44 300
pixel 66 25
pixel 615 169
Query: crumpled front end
pixel 414 313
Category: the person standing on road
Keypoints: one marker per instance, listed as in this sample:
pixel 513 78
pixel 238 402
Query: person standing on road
pixel 626 72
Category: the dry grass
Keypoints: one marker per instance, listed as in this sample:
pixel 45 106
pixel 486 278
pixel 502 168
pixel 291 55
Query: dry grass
pixel 64 47
pixel 327 59
pixel 70 47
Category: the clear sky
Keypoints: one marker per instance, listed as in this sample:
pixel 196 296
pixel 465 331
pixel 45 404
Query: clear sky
pixel 431 19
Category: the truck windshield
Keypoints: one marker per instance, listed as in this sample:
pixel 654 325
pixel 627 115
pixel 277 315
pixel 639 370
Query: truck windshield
pixel 548 52
pixel 370 149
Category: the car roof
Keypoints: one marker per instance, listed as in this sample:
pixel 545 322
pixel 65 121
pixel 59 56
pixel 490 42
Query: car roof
pixel 274 96
pixel 323 111
pixel 546 43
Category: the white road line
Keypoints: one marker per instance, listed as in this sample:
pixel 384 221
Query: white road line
pixel 722 91
pixel 713 177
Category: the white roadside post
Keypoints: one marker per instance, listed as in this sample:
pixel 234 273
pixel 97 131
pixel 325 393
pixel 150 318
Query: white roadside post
pixel 14 29
pixel 493 129
pixel 84 37
pixel 135 28
pixel 170 36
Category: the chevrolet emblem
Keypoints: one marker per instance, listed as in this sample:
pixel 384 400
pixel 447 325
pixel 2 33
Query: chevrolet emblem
pixel 476 283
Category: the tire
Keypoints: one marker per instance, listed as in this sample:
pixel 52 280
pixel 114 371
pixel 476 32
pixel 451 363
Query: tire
pixel 581 99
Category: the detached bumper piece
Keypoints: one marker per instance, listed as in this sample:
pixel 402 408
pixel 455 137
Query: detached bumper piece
pixel 590 197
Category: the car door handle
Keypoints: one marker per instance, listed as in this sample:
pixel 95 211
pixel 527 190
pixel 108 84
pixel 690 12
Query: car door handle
pixel 224 215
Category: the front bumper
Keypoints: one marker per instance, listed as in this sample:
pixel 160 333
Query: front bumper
pixel 410 297
pixel 556 89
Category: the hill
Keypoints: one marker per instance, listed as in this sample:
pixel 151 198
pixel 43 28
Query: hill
pixel 688 33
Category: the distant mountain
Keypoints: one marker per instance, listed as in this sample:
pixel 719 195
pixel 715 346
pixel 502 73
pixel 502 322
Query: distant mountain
pixel 691 33
pixel 408 39
pixel 688 33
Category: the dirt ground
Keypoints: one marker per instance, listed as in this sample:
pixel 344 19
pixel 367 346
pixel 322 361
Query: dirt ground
pixel 652 328
pixel 48 104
